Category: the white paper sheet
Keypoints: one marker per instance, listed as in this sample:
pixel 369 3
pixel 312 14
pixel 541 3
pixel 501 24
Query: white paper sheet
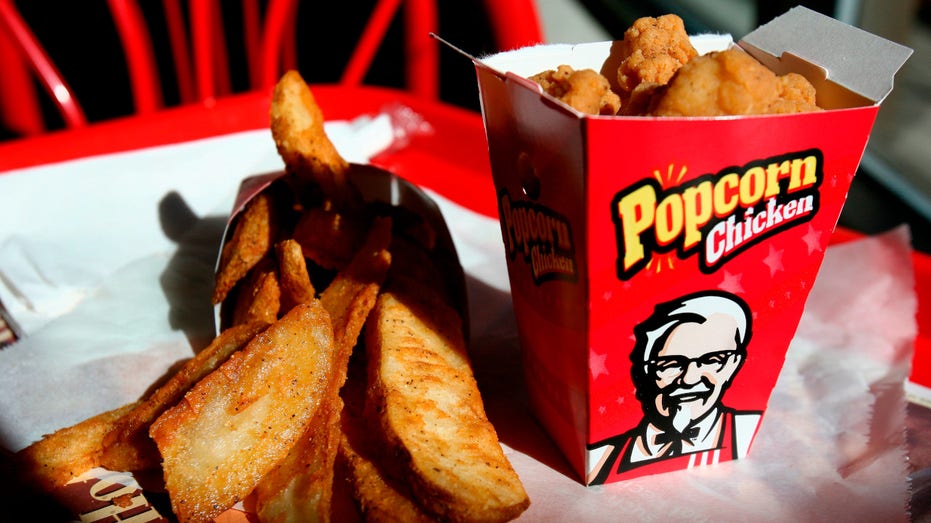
pixel 830 448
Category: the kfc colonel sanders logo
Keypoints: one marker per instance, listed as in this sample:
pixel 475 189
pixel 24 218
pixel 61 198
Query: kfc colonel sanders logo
pixel 685 357
pixel 716 216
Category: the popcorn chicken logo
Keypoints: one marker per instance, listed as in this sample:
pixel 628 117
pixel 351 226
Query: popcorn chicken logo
pixel 540 236
pixel 715 216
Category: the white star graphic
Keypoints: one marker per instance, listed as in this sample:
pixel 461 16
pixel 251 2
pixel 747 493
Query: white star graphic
pixel 773 260
pixel 596 364
pixel 812 239
pixel 731 283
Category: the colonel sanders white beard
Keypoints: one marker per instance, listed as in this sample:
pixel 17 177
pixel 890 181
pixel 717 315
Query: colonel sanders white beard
pixel 683 413
pixel 681 418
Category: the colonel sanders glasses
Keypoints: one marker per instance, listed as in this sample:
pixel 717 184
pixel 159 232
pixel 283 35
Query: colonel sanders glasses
pixel 671 367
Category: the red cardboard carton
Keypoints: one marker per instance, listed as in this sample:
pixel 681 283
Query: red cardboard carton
pixel 374 185
pixel 659 266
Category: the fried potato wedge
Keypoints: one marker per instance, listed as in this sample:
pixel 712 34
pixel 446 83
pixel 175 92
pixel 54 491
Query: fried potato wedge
pixel 67 453
pixel 240 421
pixel 423 392
pixel 293 278
pixel 351 295
pixel 252 238
pixel 378 496
pixel 300 489
pixel 298 130
pixel 259 299
pixel 126 446
pixel 330 237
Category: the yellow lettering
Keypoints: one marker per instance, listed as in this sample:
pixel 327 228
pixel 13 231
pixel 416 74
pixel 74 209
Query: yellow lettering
pixel 752 185
pixel 698 210
pixel 775 172
pixel 636 211
pixel 725 194
pixel 669 219
pixel 804 173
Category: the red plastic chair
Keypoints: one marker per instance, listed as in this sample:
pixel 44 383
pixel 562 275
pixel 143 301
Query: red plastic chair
pixel 198 50
pixel 20 104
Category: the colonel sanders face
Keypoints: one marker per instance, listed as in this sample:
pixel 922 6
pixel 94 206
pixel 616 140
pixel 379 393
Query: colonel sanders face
pixel 690 354
pixel 693 368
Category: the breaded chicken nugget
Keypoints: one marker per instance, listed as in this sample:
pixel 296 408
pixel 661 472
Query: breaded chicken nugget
pixel 584 90
pixel 652 51
pixel 731 82
pixel 796 95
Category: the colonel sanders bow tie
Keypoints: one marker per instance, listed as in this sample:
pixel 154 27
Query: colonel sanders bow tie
pixel 676 439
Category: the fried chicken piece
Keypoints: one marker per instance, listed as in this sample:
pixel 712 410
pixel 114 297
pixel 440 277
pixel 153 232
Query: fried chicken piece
pixel 652 51
pixel 584 90
pixel 796 95
pixel 731 82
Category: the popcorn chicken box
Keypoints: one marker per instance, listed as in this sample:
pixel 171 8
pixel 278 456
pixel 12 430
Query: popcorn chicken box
pixel 659 266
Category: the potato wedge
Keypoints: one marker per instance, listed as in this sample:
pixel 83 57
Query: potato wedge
pixel 67 453
pixel 300 489
pixel 293 278
pixel 298 130
pixel 252 238
pixel 330 237
pixel 378 496
pixel 423 392
pixel 259 298
pixel 351 295
pixel 126 446
pixel 240 421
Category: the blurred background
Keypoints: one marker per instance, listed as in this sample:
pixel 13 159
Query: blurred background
pixel 893 187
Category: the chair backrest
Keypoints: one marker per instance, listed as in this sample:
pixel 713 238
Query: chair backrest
pixel 20 50
pixel 198 41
